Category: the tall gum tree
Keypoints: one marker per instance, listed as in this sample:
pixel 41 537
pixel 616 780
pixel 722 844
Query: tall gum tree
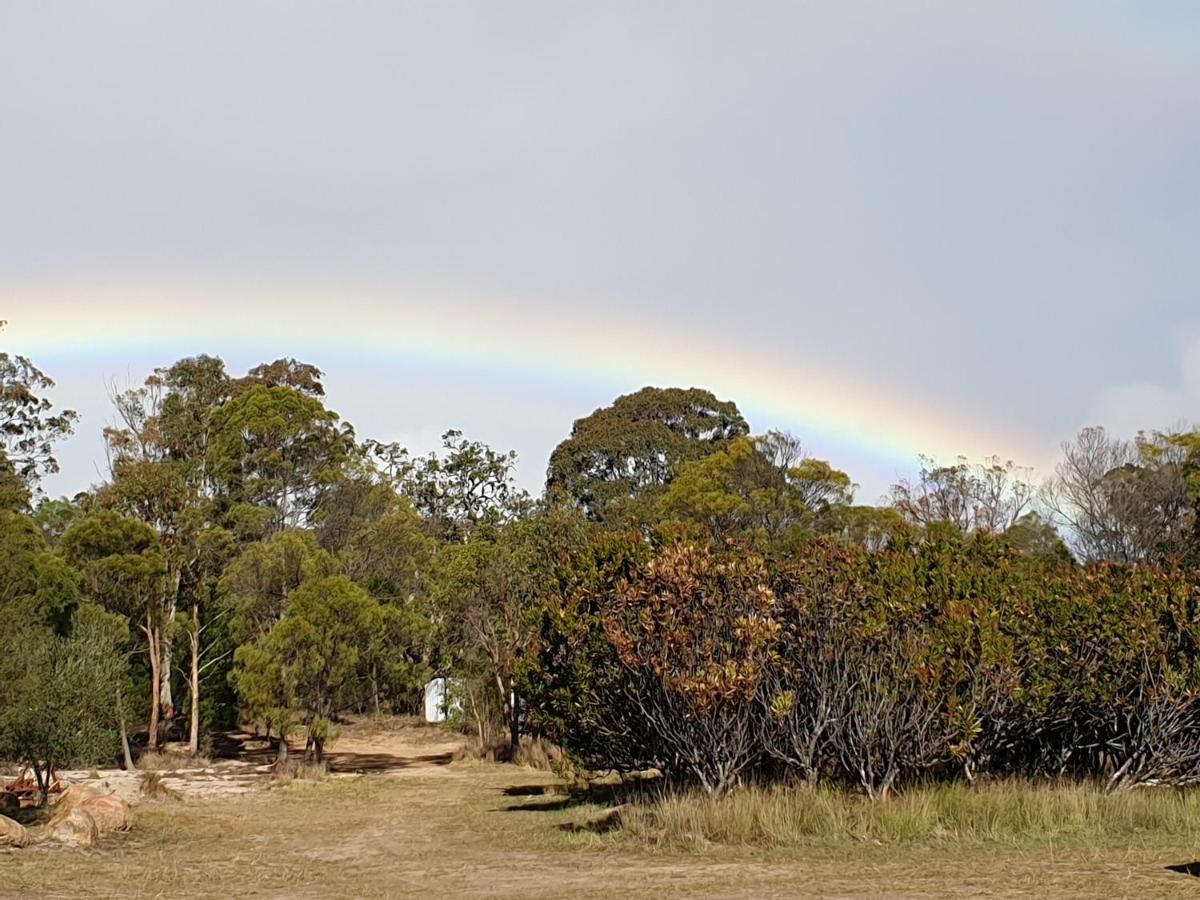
pixel 635 447
pixel 157 476
pixel 29 426
pixel 275 449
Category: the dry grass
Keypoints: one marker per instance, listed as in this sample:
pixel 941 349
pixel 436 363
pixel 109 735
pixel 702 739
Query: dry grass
pixel 1013 813
pixel 436 830
pixel 299 769
pixel 544 756
pixel 152 787
pixel 533 753
pixel 167 761
pixel 414 730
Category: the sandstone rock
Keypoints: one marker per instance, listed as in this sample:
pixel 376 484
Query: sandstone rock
pixel 110 812
pixel 76 827
pixel 72 796
pixel 12 834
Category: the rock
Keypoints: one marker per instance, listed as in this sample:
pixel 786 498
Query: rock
pixel 13 834
pixel 76 827
pixel 110 813
pixel 72 796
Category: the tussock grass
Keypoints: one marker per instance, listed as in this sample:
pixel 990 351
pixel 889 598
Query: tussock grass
pixel 152 786
pixel 300 770
pixel 167 761
pixel 544 756
pixel 1008 812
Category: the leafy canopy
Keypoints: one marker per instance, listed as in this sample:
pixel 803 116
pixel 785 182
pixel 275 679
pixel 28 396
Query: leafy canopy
pixel 636 446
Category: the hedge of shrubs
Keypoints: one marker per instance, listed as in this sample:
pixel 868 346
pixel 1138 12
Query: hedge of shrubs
pixel 937 657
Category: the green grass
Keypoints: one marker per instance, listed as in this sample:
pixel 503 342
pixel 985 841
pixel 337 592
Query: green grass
pixel 1012 813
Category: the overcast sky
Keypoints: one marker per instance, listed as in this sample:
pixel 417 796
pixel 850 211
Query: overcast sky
pixel 990 211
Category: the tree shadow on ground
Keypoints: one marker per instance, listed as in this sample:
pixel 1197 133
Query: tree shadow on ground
pixel 258 750
pixel 244 747
pixel 382 762
pixel 558 797
pixel 609 821
pixel 1192 868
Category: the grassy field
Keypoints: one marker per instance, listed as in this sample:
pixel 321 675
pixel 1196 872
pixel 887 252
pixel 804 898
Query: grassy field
pixel 473 829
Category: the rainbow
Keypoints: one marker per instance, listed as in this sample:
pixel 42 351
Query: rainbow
pixel 500 337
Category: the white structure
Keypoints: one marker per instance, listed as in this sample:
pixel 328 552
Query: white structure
pixel 435 700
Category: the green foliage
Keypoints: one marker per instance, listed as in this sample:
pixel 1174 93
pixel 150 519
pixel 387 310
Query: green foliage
pixel 54 517
pixel 259 583
pixel 484 595
pixel 389 554
pixel 1034 536
pixel 194 387
pixel 121 561
pixel 259 679
pixel 635 447
pixel 762 488
pixel 36 585
pixel 29 428
pixel 15 494
pixel 312 662
pixel 286 372
pixel 58 693
pixel 275 448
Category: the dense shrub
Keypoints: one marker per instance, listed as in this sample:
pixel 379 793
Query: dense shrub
pixel 935 657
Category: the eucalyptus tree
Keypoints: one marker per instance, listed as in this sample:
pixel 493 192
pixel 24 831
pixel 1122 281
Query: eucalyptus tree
pixel 29 426
pixel 988 498
pixel 1127 500
pixel 273 451
pixel 765 487
pixel 488 592
pixel 632 449
pixel 466 485
pixel 123 568
pixel 157 474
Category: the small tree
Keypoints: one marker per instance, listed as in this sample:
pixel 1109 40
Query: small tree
pixel 468 485
pixel 57 693
pixel 266 696
pixel 765 487
pixel 311 663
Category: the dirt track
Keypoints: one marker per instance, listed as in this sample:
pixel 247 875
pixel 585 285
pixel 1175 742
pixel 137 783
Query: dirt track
pixel 418 824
